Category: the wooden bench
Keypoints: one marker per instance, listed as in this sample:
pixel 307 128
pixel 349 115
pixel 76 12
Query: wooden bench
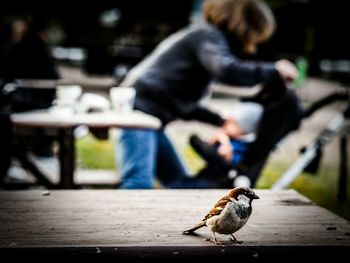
pixel 64 124
pixel 149 223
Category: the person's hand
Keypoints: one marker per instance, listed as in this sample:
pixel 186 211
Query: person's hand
pixel 219 136
pixel 231 128
pixel 286 69
pixel 225 150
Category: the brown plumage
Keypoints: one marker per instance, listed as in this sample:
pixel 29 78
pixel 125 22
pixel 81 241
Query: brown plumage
pixel 229 214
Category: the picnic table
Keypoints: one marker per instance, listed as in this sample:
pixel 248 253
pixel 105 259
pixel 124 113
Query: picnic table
pixel 148 224
pixel 65 124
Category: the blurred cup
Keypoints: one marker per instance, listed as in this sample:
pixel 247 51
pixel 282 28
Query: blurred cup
pixel 68 94
pixel 122 98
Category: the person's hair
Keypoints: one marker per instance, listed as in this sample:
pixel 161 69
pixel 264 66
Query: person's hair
pixel 250 20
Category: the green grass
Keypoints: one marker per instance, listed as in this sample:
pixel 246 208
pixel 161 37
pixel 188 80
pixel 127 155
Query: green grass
pixel 320 188
pixel 99 154
pixel 95 154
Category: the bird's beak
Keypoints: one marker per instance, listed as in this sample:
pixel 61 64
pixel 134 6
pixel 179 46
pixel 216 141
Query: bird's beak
pixel 255 197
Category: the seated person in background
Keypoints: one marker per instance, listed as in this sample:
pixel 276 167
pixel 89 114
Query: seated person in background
pixel 24 54
pixel 282 114
pixel 227 147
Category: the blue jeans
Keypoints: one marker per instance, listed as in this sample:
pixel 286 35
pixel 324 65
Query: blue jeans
pixel 145 155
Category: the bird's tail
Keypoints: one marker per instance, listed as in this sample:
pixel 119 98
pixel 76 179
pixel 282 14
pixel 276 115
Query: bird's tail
pixel 191 230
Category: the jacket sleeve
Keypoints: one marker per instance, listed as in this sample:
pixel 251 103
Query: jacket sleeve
pixel 215 56
pixel 204 115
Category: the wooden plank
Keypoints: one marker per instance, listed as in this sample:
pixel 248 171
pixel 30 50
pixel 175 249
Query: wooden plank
pixel 152 220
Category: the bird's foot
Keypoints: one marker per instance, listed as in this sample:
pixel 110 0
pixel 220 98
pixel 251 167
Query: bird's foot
pixel 234 240
pixel 214 241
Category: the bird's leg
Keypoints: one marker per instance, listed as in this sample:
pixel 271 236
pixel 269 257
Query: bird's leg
pixel 234 240
pixel 214 240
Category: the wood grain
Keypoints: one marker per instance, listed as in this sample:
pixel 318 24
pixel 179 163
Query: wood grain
pixel 144 221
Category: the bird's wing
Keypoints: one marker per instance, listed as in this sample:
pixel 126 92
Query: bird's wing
pixel 219 206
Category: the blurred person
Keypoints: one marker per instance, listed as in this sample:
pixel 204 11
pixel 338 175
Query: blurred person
pixel 173 79
pixel 24 55
pixel 245 118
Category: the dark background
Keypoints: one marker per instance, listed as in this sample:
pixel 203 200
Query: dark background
pixel 314 29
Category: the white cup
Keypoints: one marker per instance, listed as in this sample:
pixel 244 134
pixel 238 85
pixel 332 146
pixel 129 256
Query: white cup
pixel 122 98
pixel 68 94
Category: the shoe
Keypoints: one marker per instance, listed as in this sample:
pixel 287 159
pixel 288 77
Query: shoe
pixel 208 152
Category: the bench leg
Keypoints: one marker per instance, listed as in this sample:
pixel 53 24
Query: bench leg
pixel 343 169
pixel 31 167
pixel 67 157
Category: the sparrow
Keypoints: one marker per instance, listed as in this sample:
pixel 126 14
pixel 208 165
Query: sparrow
pixel 229 214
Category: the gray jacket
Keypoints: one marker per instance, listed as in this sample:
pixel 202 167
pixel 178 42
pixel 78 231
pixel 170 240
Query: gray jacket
pixel 171 81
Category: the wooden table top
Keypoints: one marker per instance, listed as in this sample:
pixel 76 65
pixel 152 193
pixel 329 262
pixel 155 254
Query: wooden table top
pixel 105 119
pixel 150 222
